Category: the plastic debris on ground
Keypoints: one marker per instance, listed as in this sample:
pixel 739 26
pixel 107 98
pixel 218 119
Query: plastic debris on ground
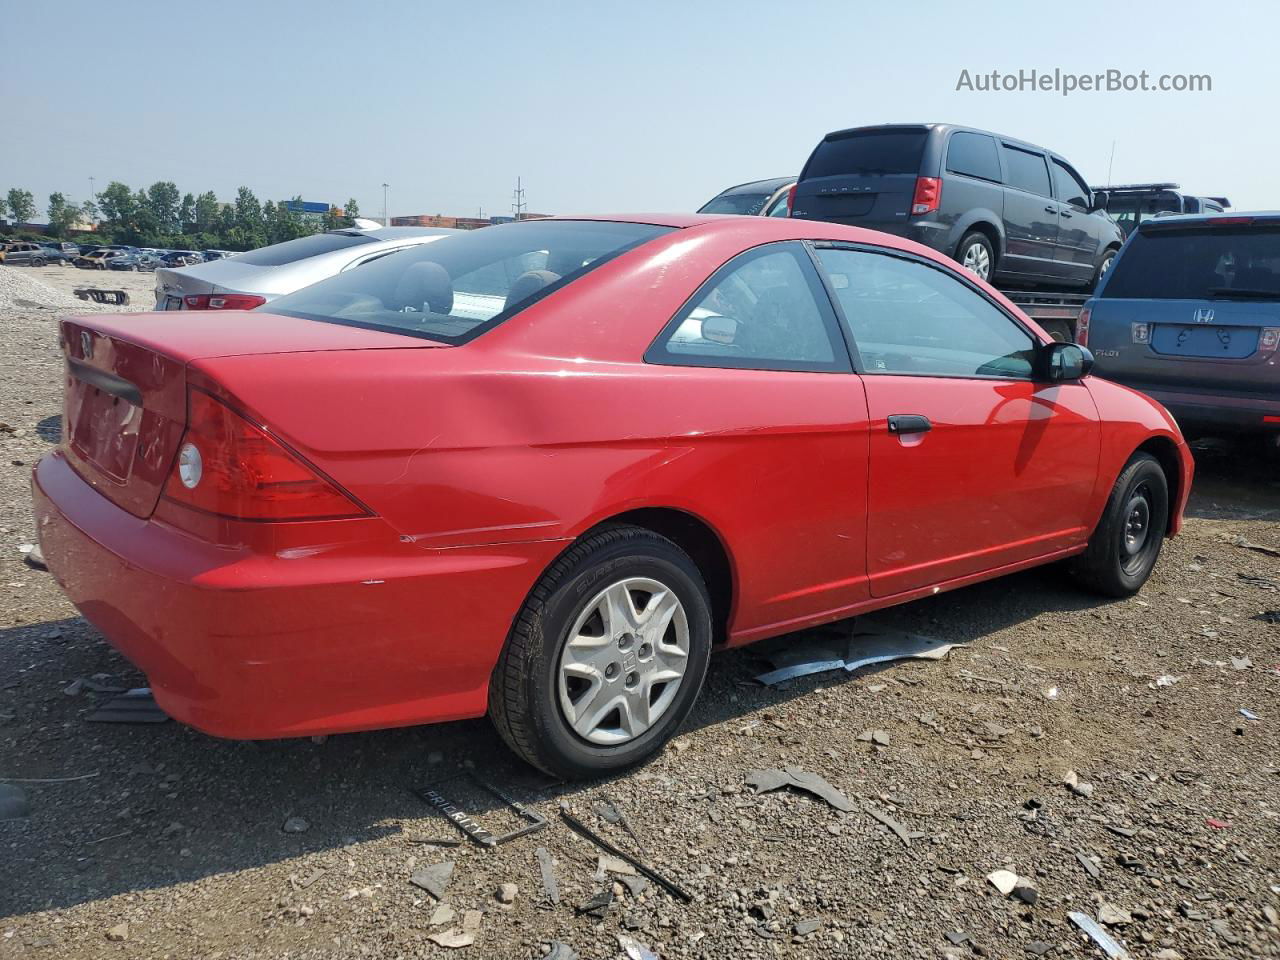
pixel 1111 947
pixel 634 949
pixel 766 781
pixel 133 706
pixel 867 644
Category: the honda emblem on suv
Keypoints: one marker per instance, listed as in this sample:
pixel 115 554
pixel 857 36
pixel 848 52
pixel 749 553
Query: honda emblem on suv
pixel 1204 315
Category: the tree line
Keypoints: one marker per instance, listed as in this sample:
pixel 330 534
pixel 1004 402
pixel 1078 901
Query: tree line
pixel 162 216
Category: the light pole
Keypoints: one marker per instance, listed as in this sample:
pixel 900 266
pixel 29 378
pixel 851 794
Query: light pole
pixel 386 221
pixel 91 200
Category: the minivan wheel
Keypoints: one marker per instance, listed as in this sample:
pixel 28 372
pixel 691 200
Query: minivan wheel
pixel 975 254
pixel 606 658
pixel 1108 259
pixel 1126 543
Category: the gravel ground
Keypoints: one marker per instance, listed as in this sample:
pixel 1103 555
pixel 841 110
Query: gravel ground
pixel 166 843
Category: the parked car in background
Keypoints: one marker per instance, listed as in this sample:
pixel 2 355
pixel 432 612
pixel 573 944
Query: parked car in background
pixel 97 259
pixel 70 249
pixel 258 276
pixel 27 254
pixel 181 258
pixel 1006 210
pixel 522 471
pixel 218 254
pixel 1129 204
pixel 137 262
pixel 1192 318
pixel 760 198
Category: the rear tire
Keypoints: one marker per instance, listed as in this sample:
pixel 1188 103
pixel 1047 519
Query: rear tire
pixel 545 692
pixel 975 254
pixel 38 262
pixel 1108 260
pixel 1126 543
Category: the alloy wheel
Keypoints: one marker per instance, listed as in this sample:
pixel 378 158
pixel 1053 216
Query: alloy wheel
pixel 977 260
pixel 623 661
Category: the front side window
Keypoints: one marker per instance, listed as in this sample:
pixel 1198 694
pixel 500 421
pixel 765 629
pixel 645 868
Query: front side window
pixel 763 310
pixel 1070 189
pixel 455 288
pixel 974 155
pixel 1026 171
pixel 910 318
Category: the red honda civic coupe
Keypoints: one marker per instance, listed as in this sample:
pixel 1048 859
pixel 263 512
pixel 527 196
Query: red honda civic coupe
pixel 540 470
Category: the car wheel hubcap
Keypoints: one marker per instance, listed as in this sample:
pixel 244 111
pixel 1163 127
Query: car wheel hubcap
pixel 623 661
pixel 1137 527
pixel 977 260
pixel 1106 265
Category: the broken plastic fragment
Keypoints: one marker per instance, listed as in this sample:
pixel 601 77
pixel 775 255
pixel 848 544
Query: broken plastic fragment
pixel 867 645
pixel 1109 945
pixel 766 781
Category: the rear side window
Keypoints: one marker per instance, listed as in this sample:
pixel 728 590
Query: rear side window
pixel 763 310
pixel 913 319
pixel 974 155
pixel 1205 264
pixel 1026 171
pixel 868 152
pixel 291 251
pixel 747 204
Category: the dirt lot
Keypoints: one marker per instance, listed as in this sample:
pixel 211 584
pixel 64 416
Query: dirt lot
pixel 156 841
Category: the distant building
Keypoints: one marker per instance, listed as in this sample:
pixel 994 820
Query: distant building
pixel 308 209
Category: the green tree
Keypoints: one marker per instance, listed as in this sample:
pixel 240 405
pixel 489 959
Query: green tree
pixel 187 212
pixel 206 212
pixel 63 216
pixel 162 203
pixel 22 205
pixel 249 230
pixel 4 206
pixel 118 206
pixel 224 228
pixel 351 211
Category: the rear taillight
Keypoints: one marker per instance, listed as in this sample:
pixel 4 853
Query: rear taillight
pixel 1082 327
pixel 229 467
pixel 1141 332
pixel 927 197
pixel 223 301
pixel 791 198
pixel 1268 339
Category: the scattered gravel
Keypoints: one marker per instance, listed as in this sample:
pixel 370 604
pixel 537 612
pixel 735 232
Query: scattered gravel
pixel 156 841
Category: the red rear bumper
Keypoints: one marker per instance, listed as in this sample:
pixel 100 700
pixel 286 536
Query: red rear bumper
pixel 354 632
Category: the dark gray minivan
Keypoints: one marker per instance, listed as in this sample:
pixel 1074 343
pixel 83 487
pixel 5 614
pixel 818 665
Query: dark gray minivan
pixel 1007 210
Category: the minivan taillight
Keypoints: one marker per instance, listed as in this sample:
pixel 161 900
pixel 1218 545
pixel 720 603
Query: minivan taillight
pixel 791 198
pixel 223 301
pixel 927 197
pixel 1082 327
pixel 230 467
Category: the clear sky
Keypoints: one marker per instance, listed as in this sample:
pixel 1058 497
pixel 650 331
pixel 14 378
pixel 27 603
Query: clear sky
pixel 622 106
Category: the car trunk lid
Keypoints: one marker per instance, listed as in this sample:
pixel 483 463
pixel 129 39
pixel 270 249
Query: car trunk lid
pixel 862 177
pixel 125 405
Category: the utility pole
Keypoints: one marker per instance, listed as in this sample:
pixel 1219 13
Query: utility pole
pixel 517 201
pixel 386 221
pixel 1111 162
pixel 91 195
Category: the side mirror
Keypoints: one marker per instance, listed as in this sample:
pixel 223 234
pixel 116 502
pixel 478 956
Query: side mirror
pixel 1064 362
pixel 719 329
pixel 1099 201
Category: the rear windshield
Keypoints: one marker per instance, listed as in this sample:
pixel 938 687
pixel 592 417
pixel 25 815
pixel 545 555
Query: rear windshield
pixel 454 289
pixel 748 204
pixel 868 152
pixel 1199 264
pixel 293 250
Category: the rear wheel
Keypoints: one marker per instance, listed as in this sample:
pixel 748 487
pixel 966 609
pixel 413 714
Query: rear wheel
pixel 38 262
pixel 606 659
pixel 1126 543
pixel 1108 259
pixel 975 254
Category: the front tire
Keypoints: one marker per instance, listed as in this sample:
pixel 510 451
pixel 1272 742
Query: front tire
pixel 1126 543
pixel 975 254
pixel 606 658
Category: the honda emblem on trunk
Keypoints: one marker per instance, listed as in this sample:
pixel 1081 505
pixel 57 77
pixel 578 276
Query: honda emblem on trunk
pixel 1204 315
pixel 86 344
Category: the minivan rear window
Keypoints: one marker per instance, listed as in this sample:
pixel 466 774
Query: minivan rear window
pixel 1198 264
pixel 868 152
pixel 974 155
pixel 293 250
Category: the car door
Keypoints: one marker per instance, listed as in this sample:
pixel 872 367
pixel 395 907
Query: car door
pixel 1030 215
pixel 975 465
pixel 1079 232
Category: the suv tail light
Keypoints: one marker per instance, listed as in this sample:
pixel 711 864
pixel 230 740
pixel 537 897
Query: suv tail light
pixel 791 198
pixel 223 301
pixel 927 197
pixel 1082 326
pixel 1268 339
pixel 232 468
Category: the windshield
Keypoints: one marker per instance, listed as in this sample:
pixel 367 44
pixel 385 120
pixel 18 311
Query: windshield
pixel 293 250
pixel 461 285
pixel 868 152
pixel 747 204
pixel 1198 264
